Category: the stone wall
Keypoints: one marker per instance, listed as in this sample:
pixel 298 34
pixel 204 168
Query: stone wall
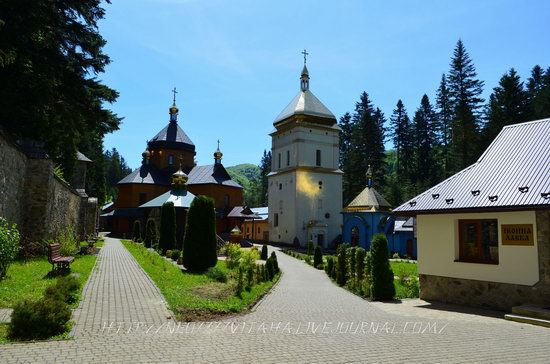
pixel 13 167
pixel 40 203
pixel 494 295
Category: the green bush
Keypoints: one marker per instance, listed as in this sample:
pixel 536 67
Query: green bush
pixel 9 245
pixel 240 283
pixel 341 264
pixel 68 241
pixel 368 264
pixel 351 262
pixel 168 254
pixel 65 289
pixel 175 254
pixel 329 267
pixel 136 234
pixel 273 258
pixel 263 256
pixel 412 288
pixel 270 269
pixel 233 253
pixel 167 239
pixel 42 319
pixel 150 233
pixel 318 256
pixel 199 243
pixel 382 287
pixel 216 274
pixel 360 255
pixel 310 248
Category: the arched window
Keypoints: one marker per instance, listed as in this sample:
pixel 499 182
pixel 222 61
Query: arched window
pixel 354 236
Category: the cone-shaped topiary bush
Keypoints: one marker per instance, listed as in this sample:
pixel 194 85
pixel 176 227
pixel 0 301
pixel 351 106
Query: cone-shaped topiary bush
pixel 167 239
pixel 150 233
pixel 199 242
pixel 263 255
pixel 273 257
pixel 310 248
pixel 318 257
pixel 360 256
pixel 382 287
pixel 136 234
pixel 341 264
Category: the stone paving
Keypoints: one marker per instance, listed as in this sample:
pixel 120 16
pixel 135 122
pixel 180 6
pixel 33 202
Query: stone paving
pixel 306 318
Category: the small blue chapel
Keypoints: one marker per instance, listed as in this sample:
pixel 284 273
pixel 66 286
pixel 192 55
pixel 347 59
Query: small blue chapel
pixel 369 213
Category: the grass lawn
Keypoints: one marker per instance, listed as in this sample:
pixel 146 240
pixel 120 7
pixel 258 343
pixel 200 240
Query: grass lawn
pixel 408 269
pixel 31 278
pixel 194 296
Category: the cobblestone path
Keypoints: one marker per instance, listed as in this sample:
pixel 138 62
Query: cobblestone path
pixel 306 318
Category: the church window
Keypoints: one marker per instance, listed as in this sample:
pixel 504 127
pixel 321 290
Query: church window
pixel 276 220
pixel 280 186
pixel 226 200
pixel 327 216
pixel 142 198
pixel 354 236
pixel 318 158
pixel 279 160
pixel 288 157
pixel 170 159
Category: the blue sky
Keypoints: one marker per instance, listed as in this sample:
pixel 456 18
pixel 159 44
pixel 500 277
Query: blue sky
pixel 236 64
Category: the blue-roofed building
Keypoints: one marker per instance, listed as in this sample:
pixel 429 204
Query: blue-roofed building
pixel 484 233
pixel 368 214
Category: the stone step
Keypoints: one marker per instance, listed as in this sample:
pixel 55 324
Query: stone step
pixel 527 320
pixel 535 311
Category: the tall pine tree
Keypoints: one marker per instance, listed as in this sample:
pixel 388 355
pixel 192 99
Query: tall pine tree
pixel 465 94
pixel 444 119
pixel 508 104
pixel 538 88
pixel 401 135
pixel 426 173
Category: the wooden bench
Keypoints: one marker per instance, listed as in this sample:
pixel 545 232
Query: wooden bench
pixel 54 257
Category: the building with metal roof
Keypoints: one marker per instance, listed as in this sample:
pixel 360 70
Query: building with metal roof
pixel 484 233
pixel 150 184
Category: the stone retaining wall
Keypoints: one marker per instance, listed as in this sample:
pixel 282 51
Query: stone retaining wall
pixel 40 203
pixel 494 295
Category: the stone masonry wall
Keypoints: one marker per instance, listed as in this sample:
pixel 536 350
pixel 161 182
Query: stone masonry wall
pixel 34 198
pixel 13 167
pixel 501 296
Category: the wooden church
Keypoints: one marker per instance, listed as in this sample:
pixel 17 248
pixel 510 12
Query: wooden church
pixel 168 151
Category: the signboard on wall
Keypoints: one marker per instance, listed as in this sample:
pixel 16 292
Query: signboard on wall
pixel 517 234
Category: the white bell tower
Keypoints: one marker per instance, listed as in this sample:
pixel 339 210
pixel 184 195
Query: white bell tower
pixel 305 185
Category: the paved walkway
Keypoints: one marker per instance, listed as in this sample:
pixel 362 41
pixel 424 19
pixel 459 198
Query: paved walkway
pixel 306 318
pixel 118 291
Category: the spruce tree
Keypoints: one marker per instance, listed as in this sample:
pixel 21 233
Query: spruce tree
pixel 425 165
pixel 402 137
pixel 538 87
pixel 51 56
pixel 508 104
pixel 444 119
pixel 265 169
pixel 199 242
pixel 167 239
pixel 465 94
pixel 346 132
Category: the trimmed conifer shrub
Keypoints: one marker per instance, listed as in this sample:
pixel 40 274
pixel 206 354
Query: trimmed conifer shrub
pixel 136 234
pixel 351 262
pixel 270 269
pixel 382 287
pixel 341 264
pixel 273 257
pixel 150 233
pixel 167 239
pixel 199 242
pixel 360 255
pixel 318 257
pixel 309 248
pixel 65 289
pixel 41 319
pixel 329 268
pixel 263 255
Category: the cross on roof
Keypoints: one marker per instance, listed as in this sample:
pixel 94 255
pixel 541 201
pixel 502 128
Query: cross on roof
pixel 305 53
pixel 218 144
pixel 174 92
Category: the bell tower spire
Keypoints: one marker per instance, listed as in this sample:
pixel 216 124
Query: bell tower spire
pixel 304 78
